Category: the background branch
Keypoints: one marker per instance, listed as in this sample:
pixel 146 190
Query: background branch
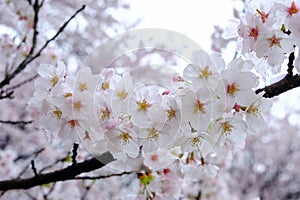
pixel 30 57
pixel 15 122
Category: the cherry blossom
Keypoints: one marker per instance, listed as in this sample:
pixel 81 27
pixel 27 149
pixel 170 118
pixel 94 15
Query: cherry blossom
pixel 274 45
pixel 203 70
pixel 229 129
pixel 236 86
pixel 51 75
pixel 140 103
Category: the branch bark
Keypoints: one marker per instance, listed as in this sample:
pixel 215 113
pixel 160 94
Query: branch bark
pixel 287 83
pixel 60 175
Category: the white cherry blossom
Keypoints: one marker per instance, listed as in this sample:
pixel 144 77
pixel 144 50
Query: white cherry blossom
pixel 203 72
pixel 274 45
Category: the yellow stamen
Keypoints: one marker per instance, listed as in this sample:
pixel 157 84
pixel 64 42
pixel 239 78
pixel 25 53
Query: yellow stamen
pixel 68 94
pixel 77 105
pixel 82 86
pixel 124 138
pixel 153 134
pixel 105 85
pixel 171 113
pixel 205 72
pixel 142 105
pixel 54 80
pixel 196 141
pixel 57 113
pixel 122 94
pixel 105 113
pixel 226 128
pixel 254 110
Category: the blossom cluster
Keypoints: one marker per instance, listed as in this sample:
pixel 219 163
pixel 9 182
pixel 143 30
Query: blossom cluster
pixel 173 132
pixel 148 125
pixel 267 30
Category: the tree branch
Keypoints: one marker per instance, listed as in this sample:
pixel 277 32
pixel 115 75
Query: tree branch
pixel 33 168
pixel 289 82
pixel 74 153
pixel 15 122
pixel 59 175
pixel 60 30
pixel 291 64
pixel 36 8
pixel 284 85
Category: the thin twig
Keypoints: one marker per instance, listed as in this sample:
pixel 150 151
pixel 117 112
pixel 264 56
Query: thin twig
pixel 60 30
pixel 50 191
pixel 87 189
pixel 74 153
pixel 36 9
pixel 34 154
pixel 291 64
pixel 21 83
pixel 33 168
pixel 15 122
pixel 28 155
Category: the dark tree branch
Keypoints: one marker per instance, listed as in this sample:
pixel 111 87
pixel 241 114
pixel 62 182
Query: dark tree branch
pixel 284 85
pixel 36 8
pixel 291 64
pixel 5 95
pixel 74 153
pixel 289 82
pixel 15 122
pixel 59 175
pixel 33 168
